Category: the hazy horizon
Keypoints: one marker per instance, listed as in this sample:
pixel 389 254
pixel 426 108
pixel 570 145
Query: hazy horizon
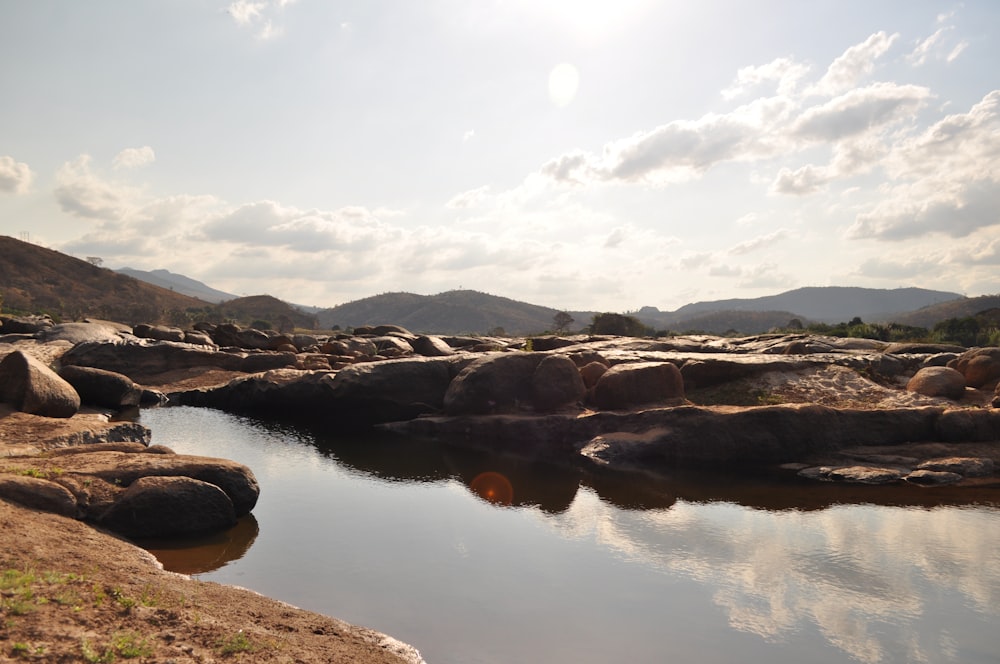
pixel 587 155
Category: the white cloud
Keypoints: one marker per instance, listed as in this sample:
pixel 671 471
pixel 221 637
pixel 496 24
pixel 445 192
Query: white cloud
pixel 784 71
pixel 806 180
pixel 259 15
pixel 468 199
pixel 861 110
pixel 134 157
pixel 759 242
pixel 944 180
pixel 81 192
pixel 15 176
pixel 856 63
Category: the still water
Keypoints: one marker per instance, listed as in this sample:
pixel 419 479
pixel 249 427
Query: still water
pixel 478 559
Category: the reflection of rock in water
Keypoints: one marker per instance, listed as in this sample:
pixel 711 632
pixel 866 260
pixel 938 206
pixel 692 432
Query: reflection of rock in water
pixel 205 554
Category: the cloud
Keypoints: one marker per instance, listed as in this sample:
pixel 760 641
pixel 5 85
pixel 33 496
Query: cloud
pixel 756 243
pixel 860 110
pixel 80 192
pixel 468 199
pixel 15 176
pixel 765 275
pixel 259 15
pixel 784 71
pixel 857 62
pixel 806 180
pixel 134 157
pixel 945 180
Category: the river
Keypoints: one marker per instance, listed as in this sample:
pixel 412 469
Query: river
pixel 477 559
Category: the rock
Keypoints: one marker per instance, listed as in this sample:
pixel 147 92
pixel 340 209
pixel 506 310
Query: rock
pixel 967 425
pixel 816 472
pixel 76 333
pixel 429 346
pixel 980 366
pixel 252 339
pixel 198 338
pixel 165 333
pixel 932 477
pixel 865 475
pixel 256 362
pixel 555 383
pixel 38 493
pixel 25 324
pixel 996 397
pixel 124 468
pixel 304 341
pixel 709 371
pixel 592 372
pixel 638 383
pixel 938 382
pixel 550 343
pixel 389 330
pixel 910 348
pixel 144 358
pixel 966 466
pixel 391 346
pixel 391 390
pixel 938 360
pixel 32 387
pixel 497 383
pixel 105 389
pixel 170 507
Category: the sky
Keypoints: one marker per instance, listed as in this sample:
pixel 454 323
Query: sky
pixel 577 154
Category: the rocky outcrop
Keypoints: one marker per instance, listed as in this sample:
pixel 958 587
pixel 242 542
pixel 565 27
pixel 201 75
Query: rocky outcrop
pixel 144 357
pixel 494 384
pixel 32 387
pixel 134 490
pixel 101 388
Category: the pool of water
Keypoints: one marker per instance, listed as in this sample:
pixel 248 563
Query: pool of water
pixel 474 558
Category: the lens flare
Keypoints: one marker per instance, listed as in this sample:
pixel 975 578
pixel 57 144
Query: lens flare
pixel 493 488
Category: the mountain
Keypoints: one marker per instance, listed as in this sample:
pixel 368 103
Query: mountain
pixel 829 304
pixel 34 279
pixel 179 284
pixel 453 312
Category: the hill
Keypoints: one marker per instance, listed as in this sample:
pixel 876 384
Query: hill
pixel 965 307
pixel 34 279
pixel 278 315
pixel 452 312
pixel 179 284
pixel 829 304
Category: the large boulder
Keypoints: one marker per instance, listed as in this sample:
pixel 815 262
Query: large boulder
pixel 144 357
pixel 391 390
pixel 429 346
pixel 638 383
pixel 101 388
pixel 76 333
pixel 938 382
pixel 32 387
pixel 556 383
pixel 38 493
pixel 169 507
pixel 496 383
pixel 25 324
pixel 980 366
pixel 122 469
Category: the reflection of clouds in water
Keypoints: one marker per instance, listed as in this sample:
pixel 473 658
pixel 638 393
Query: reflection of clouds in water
pixel 864 576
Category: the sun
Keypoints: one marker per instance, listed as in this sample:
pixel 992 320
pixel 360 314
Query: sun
pixel 590 20
pixel 564 80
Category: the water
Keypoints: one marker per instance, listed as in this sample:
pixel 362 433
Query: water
pixel 403 537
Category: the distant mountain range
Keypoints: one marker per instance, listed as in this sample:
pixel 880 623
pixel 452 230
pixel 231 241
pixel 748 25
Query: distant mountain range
pixel 34 279
pixel 179 284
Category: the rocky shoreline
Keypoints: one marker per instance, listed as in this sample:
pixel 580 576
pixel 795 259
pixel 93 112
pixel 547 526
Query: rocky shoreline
pixel 845 411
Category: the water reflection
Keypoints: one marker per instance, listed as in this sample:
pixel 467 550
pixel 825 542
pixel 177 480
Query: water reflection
pixel 206 553
pixel 454 550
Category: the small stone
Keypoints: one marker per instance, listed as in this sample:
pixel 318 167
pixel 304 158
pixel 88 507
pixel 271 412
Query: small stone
pixel 866 475
pixel 967 466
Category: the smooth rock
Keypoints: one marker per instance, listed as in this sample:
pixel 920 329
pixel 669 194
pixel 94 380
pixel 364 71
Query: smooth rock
pixel 167 506
pixel 966 466
pixel 38 493
pixel 98 387
pixel 866 475
pixel 938 382
pixel 555 383
pixel 32 387
pixel 636 384
pixel 932 477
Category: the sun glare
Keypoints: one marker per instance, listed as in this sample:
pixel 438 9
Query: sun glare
pixel 590 20
pixel 563 83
